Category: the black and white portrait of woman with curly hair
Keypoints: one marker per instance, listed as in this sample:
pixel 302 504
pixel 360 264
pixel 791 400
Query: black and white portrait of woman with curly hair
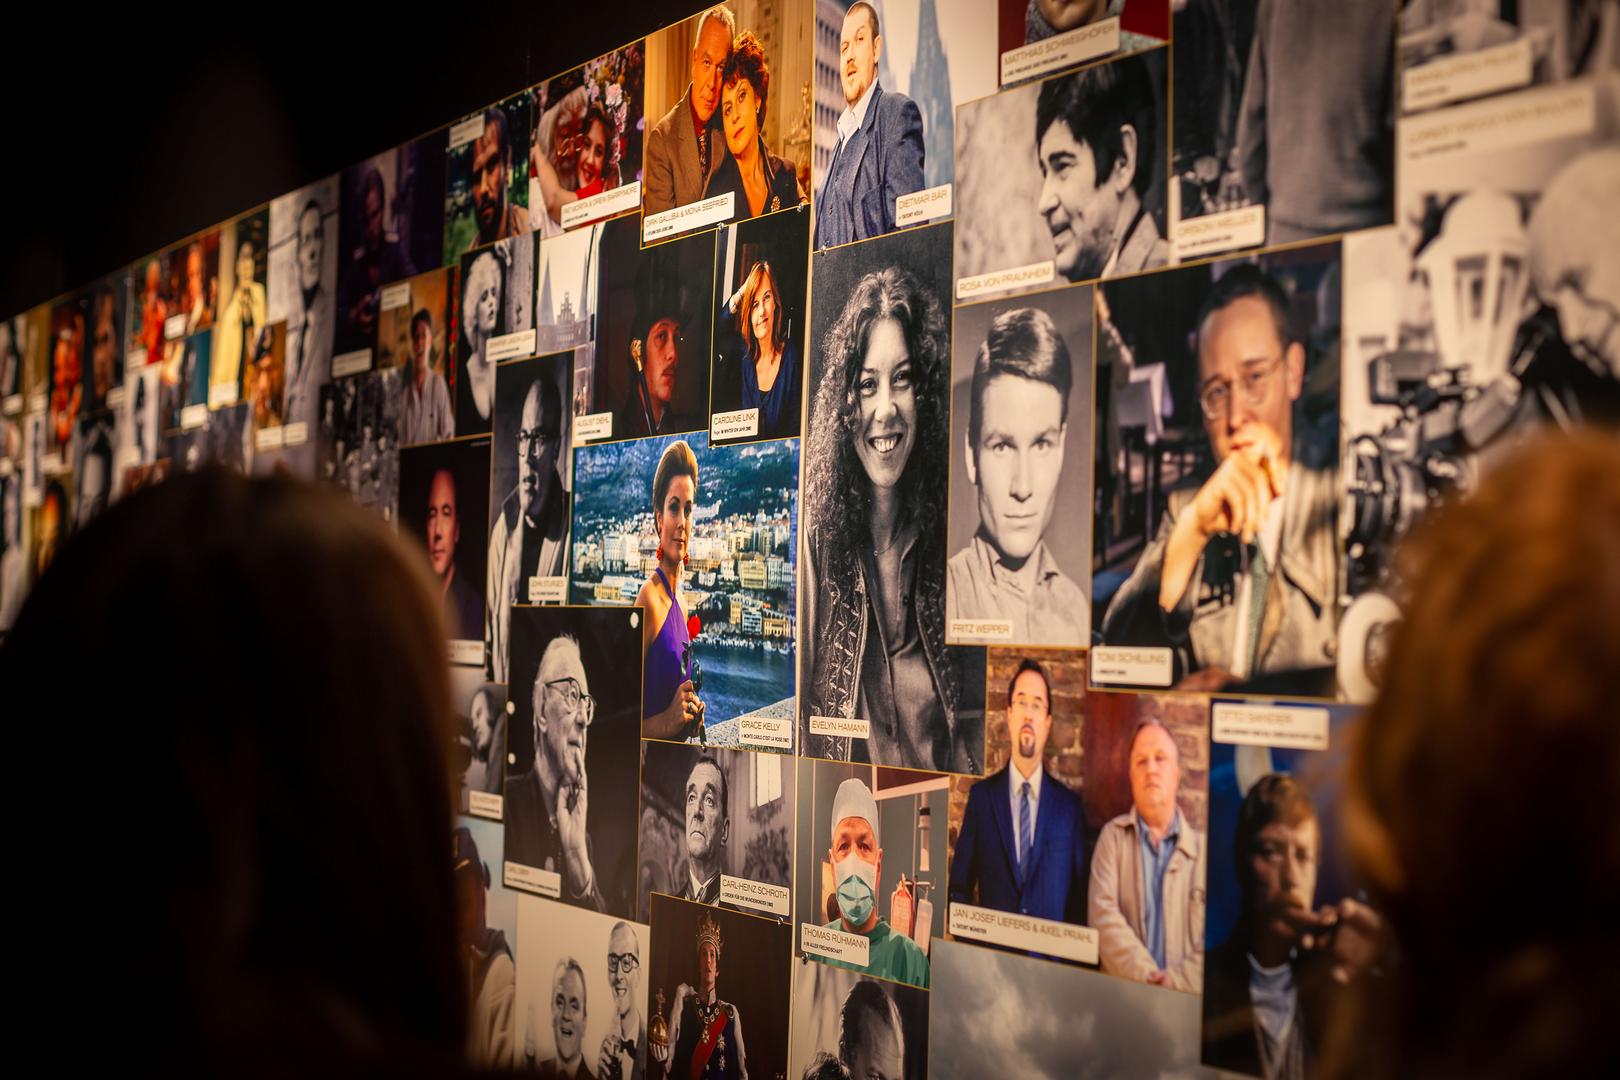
pixel 874 511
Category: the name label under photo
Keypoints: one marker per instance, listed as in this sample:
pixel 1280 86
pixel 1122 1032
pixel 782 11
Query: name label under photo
pixel 174 326
pixel 755 895
pixel 466 131
pixel 1018 277
pixel 193 416
pixel 222 395
pixel 1060 51
pixel 36 401
pixel 485 804
pixel 394 296
pixel 467 652
pixel 115 396
pixel 270 438
pixel 1240 228
pixel 1132 665
pixel 1292 727
pixel 1533 116
pixel 507 346
pixel 605 204
pixel 1453 78
pixel 547 883
pixel 547 589
pixel 835 944
pixel 351 363
pixel 668 223
pixel 840 728
pixel 12 404
pixel 592 426
pixel 296 434
pixel 1079 943
pixel 738 424
pixel 775 732
pixel 136 358
pixel 128 456
pixel 980 629
pixel 926 205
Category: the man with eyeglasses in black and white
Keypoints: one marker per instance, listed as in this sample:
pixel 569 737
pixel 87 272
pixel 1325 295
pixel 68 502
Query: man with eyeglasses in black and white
pixel 546 805
pixel 1241 578
pixel 530 535
pixel 624 1048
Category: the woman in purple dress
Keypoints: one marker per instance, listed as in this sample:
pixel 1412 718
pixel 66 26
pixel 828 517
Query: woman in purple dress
pixel 670 707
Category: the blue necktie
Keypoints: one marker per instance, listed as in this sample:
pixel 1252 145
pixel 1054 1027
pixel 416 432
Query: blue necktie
pixel 1025 840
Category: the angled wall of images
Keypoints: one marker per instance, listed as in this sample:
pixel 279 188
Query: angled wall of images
pixel 913 486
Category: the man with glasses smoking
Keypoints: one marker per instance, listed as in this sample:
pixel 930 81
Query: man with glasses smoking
pixel 530 535
pixel 546 805
pixel 1240 578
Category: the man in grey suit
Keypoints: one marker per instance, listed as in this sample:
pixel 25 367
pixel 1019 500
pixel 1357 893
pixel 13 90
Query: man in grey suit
pixel 683 148
pixel 880 142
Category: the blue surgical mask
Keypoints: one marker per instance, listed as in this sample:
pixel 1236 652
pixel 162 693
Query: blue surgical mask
pixel 857 889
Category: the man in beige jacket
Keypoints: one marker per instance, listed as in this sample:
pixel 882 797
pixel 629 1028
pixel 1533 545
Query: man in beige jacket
pixel 1147 875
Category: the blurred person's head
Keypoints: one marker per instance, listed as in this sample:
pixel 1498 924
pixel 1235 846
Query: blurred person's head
pixel 252 818
pixel 1480 795
pixel 595 135
pixel 491 161
pixel 761 308
pixel 1155 772
pixel 311 239
pixel 568 1010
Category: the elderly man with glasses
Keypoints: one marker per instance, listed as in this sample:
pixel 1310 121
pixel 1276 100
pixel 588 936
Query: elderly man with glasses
pixel 1241 577
pixel 546 804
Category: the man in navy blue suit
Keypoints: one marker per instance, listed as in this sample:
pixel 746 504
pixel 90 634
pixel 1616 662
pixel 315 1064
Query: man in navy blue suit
pixel 1022 846
pixel 880 142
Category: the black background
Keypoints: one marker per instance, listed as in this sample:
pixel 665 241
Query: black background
pixel 128 128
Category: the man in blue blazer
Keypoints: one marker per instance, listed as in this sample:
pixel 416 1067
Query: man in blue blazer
pixel 1022 846
pixel 880 142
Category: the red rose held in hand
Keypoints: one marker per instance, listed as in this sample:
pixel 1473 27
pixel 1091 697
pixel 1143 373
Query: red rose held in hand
pixel 694 626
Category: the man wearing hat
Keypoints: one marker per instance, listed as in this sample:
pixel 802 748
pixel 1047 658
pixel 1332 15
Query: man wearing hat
pixel 486 958
pixel 655 353
pixel 705 1032
pixel 857 862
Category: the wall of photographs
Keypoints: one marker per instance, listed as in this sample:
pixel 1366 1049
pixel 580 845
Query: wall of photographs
pixel 913 486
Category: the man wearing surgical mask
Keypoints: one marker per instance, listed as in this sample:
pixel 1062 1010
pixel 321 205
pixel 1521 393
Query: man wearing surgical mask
pixel 857 862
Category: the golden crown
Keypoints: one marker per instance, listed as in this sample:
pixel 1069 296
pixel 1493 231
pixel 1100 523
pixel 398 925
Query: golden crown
pixel 709 934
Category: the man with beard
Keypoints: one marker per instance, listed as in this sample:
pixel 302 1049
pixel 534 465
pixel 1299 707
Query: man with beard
pixel 706 1032
pixel 530 535
pixel 1271 990
pixel 683 148
pixel 567 1024
pixel 708 827
pixel 624 1049
pixel 1147 875
pixel 486 958
pixel 1096 141
pixel 1022 846
pixel 546 804
pixel 491 167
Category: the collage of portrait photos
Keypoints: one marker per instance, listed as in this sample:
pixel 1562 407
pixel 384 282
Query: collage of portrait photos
pixel 914 487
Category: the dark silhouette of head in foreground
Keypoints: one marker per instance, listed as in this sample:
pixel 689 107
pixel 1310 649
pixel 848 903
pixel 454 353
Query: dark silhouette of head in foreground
pixel 1483 781
pixel 236 801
